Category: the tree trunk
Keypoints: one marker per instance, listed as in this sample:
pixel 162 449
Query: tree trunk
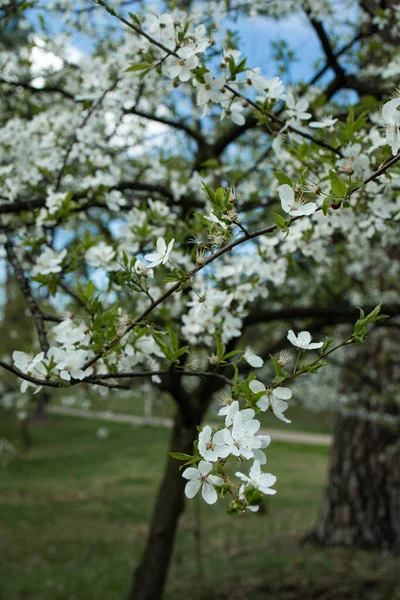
pixel 150 575
pixel 42 400
pixel 362 503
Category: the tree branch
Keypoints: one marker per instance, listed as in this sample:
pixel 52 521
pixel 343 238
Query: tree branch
pixel 27 293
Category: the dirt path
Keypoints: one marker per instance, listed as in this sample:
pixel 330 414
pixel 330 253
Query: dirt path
pixel 319 439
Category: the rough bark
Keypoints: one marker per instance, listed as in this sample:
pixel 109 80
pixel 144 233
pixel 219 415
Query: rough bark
pixel 40 412
pixel 362 503
pixel 150 575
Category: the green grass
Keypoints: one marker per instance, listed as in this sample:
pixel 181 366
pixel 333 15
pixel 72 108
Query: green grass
pixel 303 419
pixel 75 511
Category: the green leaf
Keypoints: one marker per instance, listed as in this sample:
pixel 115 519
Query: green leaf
pixel 280 222
pixel 314 368
pixel 221 348
pixel 211 163
pixel 283 178
pixel 138 67
pixel 210 193
pixel 220 196
pixel 135 19
pixel 232 353
pixel 253 496
pixel 326 345
pixel 279 372
pixel 181 456
pixel 338 187
pixel 326 204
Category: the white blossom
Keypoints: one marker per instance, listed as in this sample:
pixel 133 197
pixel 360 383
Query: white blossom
pixel 252 358
pixel 48 262
pixel 274 398
pixel 212 447
pixel 303 340
pixel 200 478
pixel 261 481
pixel 161 253
pixel 391 118
pixel 294 206
pixel 101 256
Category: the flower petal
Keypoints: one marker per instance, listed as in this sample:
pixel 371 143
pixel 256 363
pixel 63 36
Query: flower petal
pixel 286 194
pixel 292 338
pixel 263 403
pixel 161 246
pixel 283 393
pixel 191 473
pixel 256 386
pixel 304 338
pixel 209 494
pixel 215 480
pixel 192 487
pixel 205 467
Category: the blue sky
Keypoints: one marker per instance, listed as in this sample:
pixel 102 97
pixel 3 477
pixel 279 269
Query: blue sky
pixel 255 38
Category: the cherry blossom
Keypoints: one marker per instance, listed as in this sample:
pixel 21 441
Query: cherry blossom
pixel 303 340
pixel 274 398
pixel 252 359
pixel 211 447
pixel 324 123
pixel 161 253
pixel 296 111
pixel 391 118
pixel 200 478
pixel 261 481
pixel 292 205
pixel 48 262
pixel 101 256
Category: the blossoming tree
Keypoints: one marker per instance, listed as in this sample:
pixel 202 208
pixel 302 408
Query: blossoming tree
pixel 159 192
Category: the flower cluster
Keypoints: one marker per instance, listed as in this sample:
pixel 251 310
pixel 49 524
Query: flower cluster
pixel 240 438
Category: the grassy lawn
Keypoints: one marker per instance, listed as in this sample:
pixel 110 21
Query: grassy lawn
pixel 302 418
pixel 75 511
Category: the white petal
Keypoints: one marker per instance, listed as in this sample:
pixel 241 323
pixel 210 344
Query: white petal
pixel 191 473
pixel 283 393
pixel 292 338
pixel 263 403
pixel 209 494
pixel 238 118
pixel 286 195
pixel 254 361
pixel 205 435
pixel 161 246
pixel 268 480
pixel 215 480
pixel 247 414
pixel 256 386
pixel 18 356
pixel 260 456
pixel 265 440
pixel 219 437
pixel 304 338
pixel 242 476
pixel 315 345
pixel 152 257
pixel 279 407
pixel 205 468
pixel 192 487
pixel 306 209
